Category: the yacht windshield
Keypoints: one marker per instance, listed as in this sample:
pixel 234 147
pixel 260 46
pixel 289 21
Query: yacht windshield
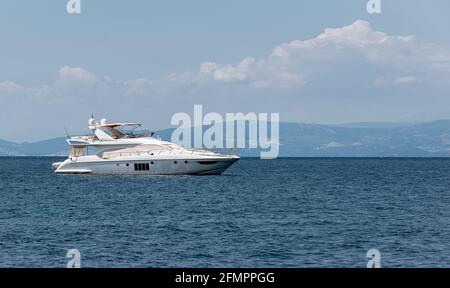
pixel 78 151
pixel 125 131
pixel 131 132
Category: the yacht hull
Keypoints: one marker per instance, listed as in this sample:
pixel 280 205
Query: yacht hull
pixel 147 167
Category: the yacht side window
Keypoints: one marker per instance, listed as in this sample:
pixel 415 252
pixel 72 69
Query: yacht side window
pixel 141 167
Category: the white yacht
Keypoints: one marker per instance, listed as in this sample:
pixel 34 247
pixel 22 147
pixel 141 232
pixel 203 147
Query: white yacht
pixel 114 148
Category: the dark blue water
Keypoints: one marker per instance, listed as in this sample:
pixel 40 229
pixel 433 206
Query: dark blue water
pixel 280 213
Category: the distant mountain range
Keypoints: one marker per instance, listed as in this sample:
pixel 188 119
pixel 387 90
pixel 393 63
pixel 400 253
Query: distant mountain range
pixel 430 139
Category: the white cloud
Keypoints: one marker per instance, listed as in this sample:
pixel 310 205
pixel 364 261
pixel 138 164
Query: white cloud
pixel 359 34
pixel 405 80
pixel 77 74
pixel 9 87
pixel 71 83
pixel 227 73
pixel 297 63
pixel 138 86
pixel 380 81
pixel 294 64
pixel 400 80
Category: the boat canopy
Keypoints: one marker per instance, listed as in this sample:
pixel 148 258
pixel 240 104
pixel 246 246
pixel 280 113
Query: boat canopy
pixel 115 125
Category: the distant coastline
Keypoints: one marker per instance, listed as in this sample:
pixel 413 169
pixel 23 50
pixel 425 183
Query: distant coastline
pixel 304 140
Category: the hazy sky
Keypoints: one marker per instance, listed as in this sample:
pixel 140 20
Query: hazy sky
pixel 140 60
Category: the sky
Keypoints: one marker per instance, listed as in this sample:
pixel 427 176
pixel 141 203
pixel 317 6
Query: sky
pixel 320 61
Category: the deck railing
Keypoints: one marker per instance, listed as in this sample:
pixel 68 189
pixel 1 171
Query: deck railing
pixel 107 155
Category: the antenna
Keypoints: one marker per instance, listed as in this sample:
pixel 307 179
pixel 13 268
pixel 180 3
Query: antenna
pixel 67 133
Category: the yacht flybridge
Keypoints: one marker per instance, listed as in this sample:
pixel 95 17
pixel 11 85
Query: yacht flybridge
pixel 119 150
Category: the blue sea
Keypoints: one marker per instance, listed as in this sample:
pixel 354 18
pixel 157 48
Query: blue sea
pixel 259 213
